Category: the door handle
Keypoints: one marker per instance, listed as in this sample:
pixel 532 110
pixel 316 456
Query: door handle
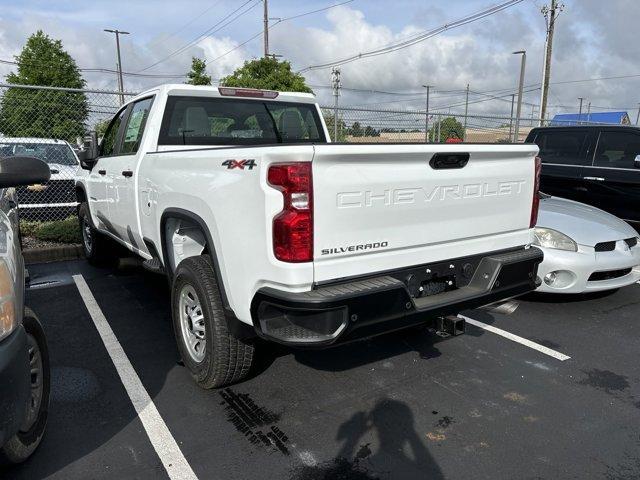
pixel 127 173
pixel 596 179
pixel 102 172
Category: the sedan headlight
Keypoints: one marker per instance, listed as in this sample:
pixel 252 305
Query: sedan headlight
pixel 549 238
pixel 8 319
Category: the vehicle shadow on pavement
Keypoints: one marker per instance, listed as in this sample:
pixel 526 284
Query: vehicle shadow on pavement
pixel 380 443
pixel 541 297
pixel 364 352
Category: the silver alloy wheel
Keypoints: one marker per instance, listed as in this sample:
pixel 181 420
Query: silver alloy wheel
pixel 86 235
pixel 192 323
pixel 37 384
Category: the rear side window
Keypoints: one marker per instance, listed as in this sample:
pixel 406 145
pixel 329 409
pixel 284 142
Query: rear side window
pixel 617 150
pixel 561 146
pixel 135 126
pixel 109 144
pixel 219 121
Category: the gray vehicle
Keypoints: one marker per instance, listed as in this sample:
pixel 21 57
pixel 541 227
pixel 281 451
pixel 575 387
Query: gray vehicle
pixel 24 359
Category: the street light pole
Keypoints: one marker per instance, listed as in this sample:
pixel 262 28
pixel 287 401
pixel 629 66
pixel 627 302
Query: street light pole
pixel 520 87
pixel 120 82
pixel 426 121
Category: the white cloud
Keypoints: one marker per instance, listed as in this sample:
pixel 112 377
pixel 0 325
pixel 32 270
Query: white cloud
pixel 589 42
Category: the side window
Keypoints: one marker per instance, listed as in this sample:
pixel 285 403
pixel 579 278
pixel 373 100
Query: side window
pixel 135 126
pixel 617 150
pixel 561 147
pixel 110 140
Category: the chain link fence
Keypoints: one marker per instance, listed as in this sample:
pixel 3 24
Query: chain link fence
pixel 49 122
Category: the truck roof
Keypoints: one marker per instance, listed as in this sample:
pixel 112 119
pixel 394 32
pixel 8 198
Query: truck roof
pixel 211 91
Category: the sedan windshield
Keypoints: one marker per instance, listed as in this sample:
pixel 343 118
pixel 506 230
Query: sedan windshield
pixel 51 153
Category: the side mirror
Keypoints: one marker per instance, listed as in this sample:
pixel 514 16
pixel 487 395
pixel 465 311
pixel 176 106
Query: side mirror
pixel 16 171
pixel 89 153
pixel 636 161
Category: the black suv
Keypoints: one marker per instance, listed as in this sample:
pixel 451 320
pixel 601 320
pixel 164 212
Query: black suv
pixel 596 165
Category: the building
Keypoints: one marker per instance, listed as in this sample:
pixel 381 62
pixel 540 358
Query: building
pixel 609 118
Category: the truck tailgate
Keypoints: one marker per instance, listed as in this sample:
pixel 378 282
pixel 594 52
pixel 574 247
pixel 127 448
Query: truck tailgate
pixel 381 207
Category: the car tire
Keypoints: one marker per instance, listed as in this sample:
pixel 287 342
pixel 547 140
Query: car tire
pixel 94 244
pixel 214 356
pixel 19 447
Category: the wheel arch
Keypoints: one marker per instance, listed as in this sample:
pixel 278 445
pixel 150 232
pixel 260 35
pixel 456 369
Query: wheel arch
pixel 168 255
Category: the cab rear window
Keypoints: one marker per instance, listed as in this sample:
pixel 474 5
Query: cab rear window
pixel 220 121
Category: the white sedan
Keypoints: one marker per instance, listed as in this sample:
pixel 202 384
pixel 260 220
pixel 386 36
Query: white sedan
pixel 585 249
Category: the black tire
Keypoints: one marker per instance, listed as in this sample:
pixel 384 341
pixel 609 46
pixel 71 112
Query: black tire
pixel 19 447
pixel 94 244
pixel 226 359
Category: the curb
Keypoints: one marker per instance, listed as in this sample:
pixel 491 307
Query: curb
pixel 53 254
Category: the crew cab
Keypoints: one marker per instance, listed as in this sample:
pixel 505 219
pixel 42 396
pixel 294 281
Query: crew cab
pixel 594 164
pixel 267 230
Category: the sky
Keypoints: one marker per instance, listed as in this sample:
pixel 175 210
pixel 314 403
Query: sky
pixel 593 39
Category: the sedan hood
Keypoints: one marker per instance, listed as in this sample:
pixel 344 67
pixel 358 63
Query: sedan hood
pixel 585 224
pixel 62 172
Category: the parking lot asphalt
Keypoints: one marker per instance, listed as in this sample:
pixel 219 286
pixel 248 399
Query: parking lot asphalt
pixel 402 406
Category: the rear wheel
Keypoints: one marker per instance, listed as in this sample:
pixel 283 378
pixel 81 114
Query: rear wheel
pixel 94 244
pixel 19 447
pixel 214 355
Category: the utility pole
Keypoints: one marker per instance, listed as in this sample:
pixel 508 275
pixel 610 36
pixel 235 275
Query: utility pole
pixel 513 100
pixel 335 82
pixel 589 112
pixel 520 86
pixel 550 15
pixel 638 116
pixel 120 82
pixel 466 112
pixel 426 120
pixel 266 28
pixel 580 110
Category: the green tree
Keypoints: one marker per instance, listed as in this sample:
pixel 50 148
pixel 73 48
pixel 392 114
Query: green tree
pixel 40 112
pixel 198 74
pixel 342 127
pixel 449 128
pixel 269 74
pixel 369 131
pixel 356 130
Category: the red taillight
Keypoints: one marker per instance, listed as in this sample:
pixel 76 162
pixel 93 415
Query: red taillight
pixel 535 203
pixel 293 227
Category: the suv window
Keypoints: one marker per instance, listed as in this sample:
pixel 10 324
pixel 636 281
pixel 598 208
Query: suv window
pixel 109 141
pixel 561 146
pixel 221 121
pixel 617 149
pixel 135 126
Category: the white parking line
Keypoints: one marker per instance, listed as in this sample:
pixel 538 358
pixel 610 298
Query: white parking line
pixel 516 338
pixel 163 442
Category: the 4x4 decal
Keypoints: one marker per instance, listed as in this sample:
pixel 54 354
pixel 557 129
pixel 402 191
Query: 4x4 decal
pixel 241 164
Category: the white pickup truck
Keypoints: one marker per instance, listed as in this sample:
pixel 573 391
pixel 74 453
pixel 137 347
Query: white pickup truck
pixel 267 230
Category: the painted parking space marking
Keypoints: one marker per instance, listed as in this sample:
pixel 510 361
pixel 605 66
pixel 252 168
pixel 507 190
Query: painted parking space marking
pixel 163 442
pixel 516 338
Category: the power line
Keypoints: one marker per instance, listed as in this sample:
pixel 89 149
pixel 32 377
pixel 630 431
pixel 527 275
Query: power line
pixel 417 38
pixel 185 25
pixel 101 70
pixel 261 32
pixel 208 32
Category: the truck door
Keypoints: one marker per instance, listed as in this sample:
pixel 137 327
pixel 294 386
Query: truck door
pixel 123 211
pixel 564 154
pixel 100 182
pixel 613 179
